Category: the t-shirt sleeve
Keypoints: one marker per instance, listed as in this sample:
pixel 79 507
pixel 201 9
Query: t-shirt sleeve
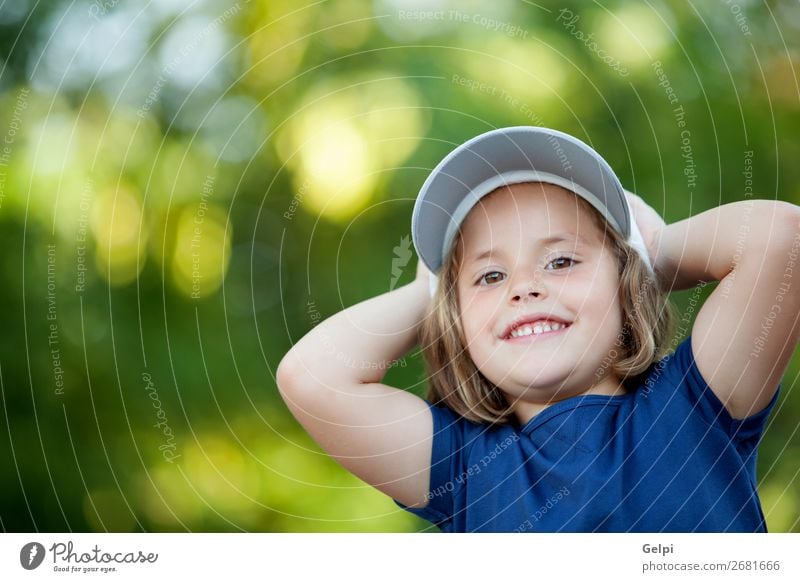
pixel 449 454
pixel 745 432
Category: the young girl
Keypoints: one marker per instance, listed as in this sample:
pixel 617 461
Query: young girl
pixel 552 405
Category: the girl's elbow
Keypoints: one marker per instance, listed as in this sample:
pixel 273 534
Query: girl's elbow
pixel 299 382
pixel 288 374
pixel 760 226
pixel 780 225
pixel 791 215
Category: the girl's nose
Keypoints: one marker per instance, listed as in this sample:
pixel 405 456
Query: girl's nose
pixel 527 287
pixel 519 296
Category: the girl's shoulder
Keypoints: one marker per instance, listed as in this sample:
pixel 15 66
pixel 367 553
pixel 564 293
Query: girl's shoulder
pixel 677 387
pixel 449 425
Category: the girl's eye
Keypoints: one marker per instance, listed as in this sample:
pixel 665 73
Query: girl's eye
pixel 488 277
pixel 560 261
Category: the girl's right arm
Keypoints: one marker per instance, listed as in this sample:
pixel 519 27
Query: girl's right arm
pixel 331 382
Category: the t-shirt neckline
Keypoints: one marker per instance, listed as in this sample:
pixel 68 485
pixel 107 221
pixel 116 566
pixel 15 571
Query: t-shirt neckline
pixel 570 403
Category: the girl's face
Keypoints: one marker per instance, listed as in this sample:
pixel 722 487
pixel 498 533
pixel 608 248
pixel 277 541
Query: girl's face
pixel 532 249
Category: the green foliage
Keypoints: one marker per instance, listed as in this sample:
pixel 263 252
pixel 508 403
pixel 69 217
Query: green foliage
pixel 213 183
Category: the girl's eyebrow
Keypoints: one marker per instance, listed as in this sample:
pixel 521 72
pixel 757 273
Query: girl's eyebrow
pixel 565 236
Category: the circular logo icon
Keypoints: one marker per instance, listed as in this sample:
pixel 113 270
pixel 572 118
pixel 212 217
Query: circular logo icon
pixel 31 555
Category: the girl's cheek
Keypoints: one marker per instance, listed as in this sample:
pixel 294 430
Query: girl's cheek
pixel 476 321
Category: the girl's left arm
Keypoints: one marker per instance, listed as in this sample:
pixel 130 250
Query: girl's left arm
pixel 746 331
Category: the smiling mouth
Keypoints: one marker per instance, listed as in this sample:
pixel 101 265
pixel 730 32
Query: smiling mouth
pixel 529 334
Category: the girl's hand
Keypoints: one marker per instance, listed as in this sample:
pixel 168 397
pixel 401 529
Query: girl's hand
pixel 649 222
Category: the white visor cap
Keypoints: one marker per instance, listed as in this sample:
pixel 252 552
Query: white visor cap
pixel 506 156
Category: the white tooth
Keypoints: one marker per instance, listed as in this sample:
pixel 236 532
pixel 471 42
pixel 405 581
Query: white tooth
pixel 537 328
pixel 521 331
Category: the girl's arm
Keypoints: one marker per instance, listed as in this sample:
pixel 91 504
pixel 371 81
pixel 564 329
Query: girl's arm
pixel 746 331
pixel 330 380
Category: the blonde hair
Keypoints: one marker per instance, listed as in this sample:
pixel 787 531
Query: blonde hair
pixel 648 323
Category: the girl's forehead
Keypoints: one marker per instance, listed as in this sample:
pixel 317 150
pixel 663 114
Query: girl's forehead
pixel 530 224
pixel 525 203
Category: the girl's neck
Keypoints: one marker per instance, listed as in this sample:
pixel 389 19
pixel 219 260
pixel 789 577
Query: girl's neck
pixel 525 410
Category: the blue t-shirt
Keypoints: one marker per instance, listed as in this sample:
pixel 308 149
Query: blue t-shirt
pixel 665 457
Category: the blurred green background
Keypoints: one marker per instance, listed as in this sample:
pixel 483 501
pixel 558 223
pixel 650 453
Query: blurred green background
pixel 188 187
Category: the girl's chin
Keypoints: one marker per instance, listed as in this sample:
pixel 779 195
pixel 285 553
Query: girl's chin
pixel 534 377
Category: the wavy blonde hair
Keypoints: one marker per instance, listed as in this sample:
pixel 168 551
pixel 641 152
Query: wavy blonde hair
pixel 648 323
